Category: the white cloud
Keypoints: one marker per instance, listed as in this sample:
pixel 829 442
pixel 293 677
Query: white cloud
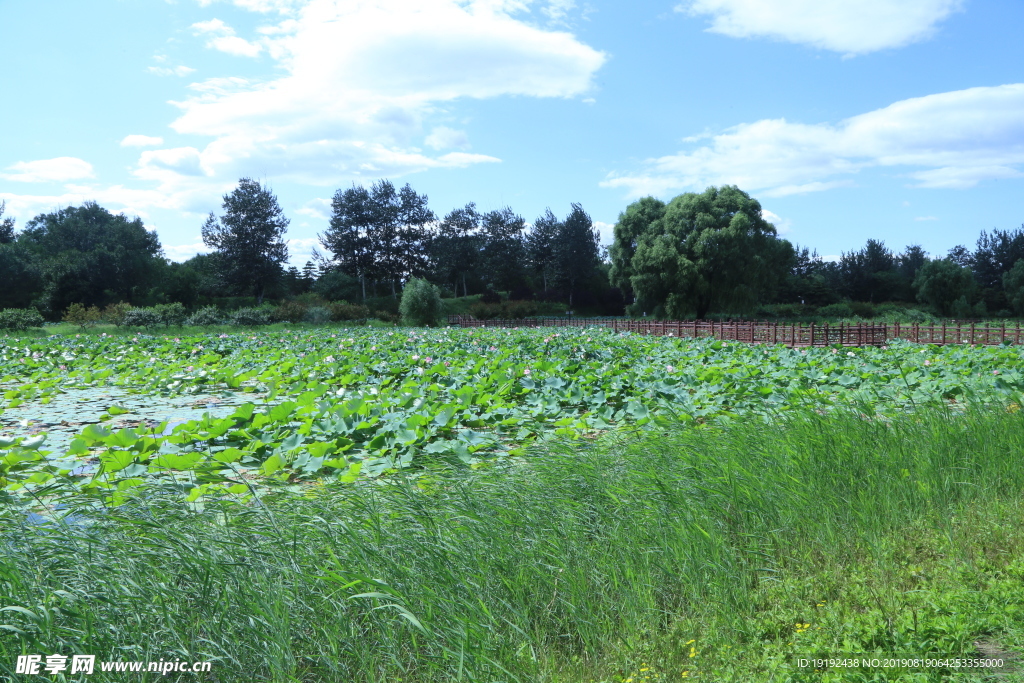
pixel 180 70
pixel 222 37
pixel 300 250
pixel 49 170
pixel 782 225
pixel 839 25
pixel 443 137
pixel 357 85
pixel 183 252
pixel 606 232
pixel 141 141
pixel 948 140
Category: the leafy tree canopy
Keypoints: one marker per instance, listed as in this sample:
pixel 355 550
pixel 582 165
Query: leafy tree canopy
pixel 90 256
pixel 942 283
pixel 707 251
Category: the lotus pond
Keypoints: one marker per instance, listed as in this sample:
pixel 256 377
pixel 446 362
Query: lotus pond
pixel 243 414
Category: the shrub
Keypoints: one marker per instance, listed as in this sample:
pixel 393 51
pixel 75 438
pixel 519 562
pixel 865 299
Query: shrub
pixel 863 309
pixel 490 297
pixel 317 315
pixel 836 311
pixel 290 311
pixel 19 319
pixel 208 315
pixel 114 313
pixel 171 314
pixel 343 311
pixel 250 317
pixel 78 314
pixel 483 311
pixel 387 317
pixel 421 303
pixel 518 309
pixel 141 317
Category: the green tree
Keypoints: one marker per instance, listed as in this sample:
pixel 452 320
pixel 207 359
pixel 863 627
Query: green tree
pixel 249 237
pixel 639 218
pixel 6 226
pixel 709 251
pixel 503 254
pixel 942 284
pixel 870 274
pixel 456 249
pixel 1013 285
pixel 380 234
pixel 421 303
pixel 540 246
pixel 575 251
pixel 21 280
pixel 88 255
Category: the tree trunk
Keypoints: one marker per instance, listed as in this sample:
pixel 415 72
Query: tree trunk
pixel 362 280
pixel 394 294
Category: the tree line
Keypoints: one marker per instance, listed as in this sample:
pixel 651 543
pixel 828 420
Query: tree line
pixel 700 254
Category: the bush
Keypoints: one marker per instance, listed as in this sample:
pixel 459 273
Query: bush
pixel 208 315
pixel 518 309
pixel 490 297
pixel 387 317
pixel 171 314
pixel 78 314
pixel 250 317
pixel 421 303
pixel 318 315
pixel 483 311
pixel 19 319
pixel 862 309
pixel 290 311
pixel 836 311
pixel 343 311
pixel 115 313
pixel 141 317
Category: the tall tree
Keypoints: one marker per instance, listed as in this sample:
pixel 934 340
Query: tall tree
pixel 576 250
pixel 90 256
pixel 639 218
pixel 942 284
pixel 996 254
pixel 380 234
pixel 348 235
pixel 709 251
pixel 456 249
pixel 504 250
pixel 870 274
pixel 540 246
pixel 6 226
pixel 249 237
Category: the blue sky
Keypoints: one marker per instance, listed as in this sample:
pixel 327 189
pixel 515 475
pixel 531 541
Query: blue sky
pixel 901 121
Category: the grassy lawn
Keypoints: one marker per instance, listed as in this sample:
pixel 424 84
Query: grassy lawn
pixel 712 553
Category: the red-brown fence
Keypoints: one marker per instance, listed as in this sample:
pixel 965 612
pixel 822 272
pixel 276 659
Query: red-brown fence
pixel 790 334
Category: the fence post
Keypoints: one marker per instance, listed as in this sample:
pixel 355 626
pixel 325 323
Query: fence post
pixel 972 334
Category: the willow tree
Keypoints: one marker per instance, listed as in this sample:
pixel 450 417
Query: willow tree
pixel 703 252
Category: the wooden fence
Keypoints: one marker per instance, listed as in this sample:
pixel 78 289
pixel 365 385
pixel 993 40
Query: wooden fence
pixel 790 334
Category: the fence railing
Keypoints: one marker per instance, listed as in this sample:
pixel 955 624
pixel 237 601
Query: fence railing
pixel 790 334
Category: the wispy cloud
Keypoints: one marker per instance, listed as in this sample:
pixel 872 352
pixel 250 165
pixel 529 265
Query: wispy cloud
pixel 141 141
pixel 59 169
pixel 948 140
pixel 840 25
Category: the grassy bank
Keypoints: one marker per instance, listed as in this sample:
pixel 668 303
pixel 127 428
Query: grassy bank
pixel 708 554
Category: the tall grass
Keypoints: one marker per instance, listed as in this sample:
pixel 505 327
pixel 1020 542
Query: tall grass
pixel 551 569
